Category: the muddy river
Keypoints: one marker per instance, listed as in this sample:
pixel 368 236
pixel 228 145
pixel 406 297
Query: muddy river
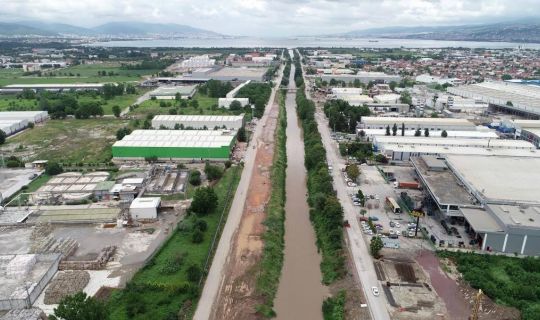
pixel 300 293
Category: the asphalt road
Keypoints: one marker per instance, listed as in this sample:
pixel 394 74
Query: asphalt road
pixel 358 247
pixel 215 277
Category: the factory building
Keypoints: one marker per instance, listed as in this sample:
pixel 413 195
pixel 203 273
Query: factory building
pixel 484 134
pixel 145 208
pixel 528 130
pixel 380 142
pixel 12 122
pixel 16 88
pixel 198 121
pixel 364 77
pixel 169 93
pixel 433 124
pixel 509 97
pixel 495 197
pixel 175 145
pixel 198 62
pixel 399 152
pixel 226 102
pixel 239 74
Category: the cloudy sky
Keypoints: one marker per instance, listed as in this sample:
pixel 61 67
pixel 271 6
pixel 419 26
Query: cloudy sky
pixel 271 17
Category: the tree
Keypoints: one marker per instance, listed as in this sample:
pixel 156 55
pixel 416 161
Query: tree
pixel 204 201
pixel 197 236
pixel 235 105
pixel 426 132
pixel 2 137
pixel 195 103
pixel 417 133
pixel 406 98
pixel 387 131
pixel 402 129
pixel 361 197
pixel 362 133
pixel 195 177
pixel 394 129
pixel 53 168
pixel 213 172
pixel 122 132
pixel 444 134
pixel 375 246
pixel 241 135
pixel 194 273
pixel 353 172
pixel 116 111
pixel 80 307
pixel 506 77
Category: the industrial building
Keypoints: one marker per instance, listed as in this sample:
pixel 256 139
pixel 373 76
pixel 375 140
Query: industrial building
pixel 12 122
pixel 379 142
pixel 528 130
pixel 198 121
pixel 16 88
pixel 239 74
pixel 226 102
pixel 496 198
pixel 479 134
pixel 433 124
pixel 175 145
pixel 399 152
pixel 169 93
pixel 509 97
pixel 362 76
pixel 145 208
pixel 198 62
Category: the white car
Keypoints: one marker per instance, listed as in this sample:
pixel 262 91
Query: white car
pixel 397 225
pixel 375 291
pixel 376 197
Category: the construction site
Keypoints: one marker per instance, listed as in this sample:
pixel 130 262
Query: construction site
pixel 80 232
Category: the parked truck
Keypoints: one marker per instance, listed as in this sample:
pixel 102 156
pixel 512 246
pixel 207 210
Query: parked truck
pixel 407 185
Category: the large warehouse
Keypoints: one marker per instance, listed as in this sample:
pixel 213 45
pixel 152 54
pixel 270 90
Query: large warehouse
pixel 12 122
pixel 487 134
pixel 528 130
pixel 380 141
pixel 16 88
pixel 175 145
pixel 169 93
pixel 497 197
pixel 362 76
pixel 238 74
pixel 433 124
pixel 510 97
pixel 198 121
pixel 400 152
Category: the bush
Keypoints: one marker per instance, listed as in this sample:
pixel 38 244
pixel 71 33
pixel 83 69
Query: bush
pixel 204 201
pixel 213 172
pixel 53 169
pixel 200 225
pixel 197 236
pixel 194 273
pixel 334 307
pixel 195 177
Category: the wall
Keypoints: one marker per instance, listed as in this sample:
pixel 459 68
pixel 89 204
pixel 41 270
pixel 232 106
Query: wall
pixel 175 153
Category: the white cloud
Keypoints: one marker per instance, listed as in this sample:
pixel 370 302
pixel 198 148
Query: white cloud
pixel 271 17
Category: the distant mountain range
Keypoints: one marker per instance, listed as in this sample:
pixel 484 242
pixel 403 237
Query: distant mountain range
pixel 527 30
pixel 112 29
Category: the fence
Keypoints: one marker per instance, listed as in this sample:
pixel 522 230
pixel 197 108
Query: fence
pixel 33 292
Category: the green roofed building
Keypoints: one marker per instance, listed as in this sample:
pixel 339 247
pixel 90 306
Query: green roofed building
pixel 175 145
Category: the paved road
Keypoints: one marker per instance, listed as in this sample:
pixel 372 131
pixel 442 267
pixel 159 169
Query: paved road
pixel 358 247
pixel 140 100
pixel 215 277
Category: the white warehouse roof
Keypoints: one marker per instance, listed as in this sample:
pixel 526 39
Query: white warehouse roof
pixel 433 134
pixel 198 121
pixel 145 203
pixel 178 138
pixel 485 143
pixel 417 121
pixel 440 150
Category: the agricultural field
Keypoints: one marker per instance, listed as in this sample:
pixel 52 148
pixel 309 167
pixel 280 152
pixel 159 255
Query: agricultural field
pixel 165 288
pixel 66 141
pixel 206 105
pixel 87 73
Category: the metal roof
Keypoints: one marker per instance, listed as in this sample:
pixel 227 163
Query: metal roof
pixel 145 203
pixel 171 91
pixel 491 143
pixel 424 121
pixel 177 139
pixel 481 221
pixel 205 118
pixel 478 151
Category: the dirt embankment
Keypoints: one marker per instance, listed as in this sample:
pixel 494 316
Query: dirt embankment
pixel 237 298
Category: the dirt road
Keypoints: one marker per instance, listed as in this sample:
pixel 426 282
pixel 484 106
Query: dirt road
pixel 300 293
pixel 226 295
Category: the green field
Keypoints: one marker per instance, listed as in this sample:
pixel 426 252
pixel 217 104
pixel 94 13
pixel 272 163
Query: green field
pixel 87 73
pixel 205 107
pixel 12 103
pixel 65 141
pixel 159 293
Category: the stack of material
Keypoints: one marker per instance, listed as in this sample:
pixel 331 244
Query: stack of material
pixel 25 314
pixel 20 265
pixel 65 284
pixel 98 264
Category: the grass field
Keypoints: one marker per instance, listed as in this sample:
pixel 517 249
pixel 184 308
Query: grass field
pixel 205 107
pixel 158 293
pixel 69 140
pixel 12 103
pixel 87 73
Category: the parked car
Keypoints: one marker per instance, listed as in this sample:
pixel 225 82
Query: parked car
pixel 393 236
pixel 392 224
pixel 375 291
pixel 397 225
pixel 357 203
pixel 374 218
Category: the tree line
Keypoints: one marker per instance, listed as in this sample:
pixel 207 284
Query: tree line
pixel 342 116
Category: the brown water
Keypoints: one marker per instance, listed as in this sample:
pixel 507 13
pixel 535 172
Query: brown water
pixel 300 293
